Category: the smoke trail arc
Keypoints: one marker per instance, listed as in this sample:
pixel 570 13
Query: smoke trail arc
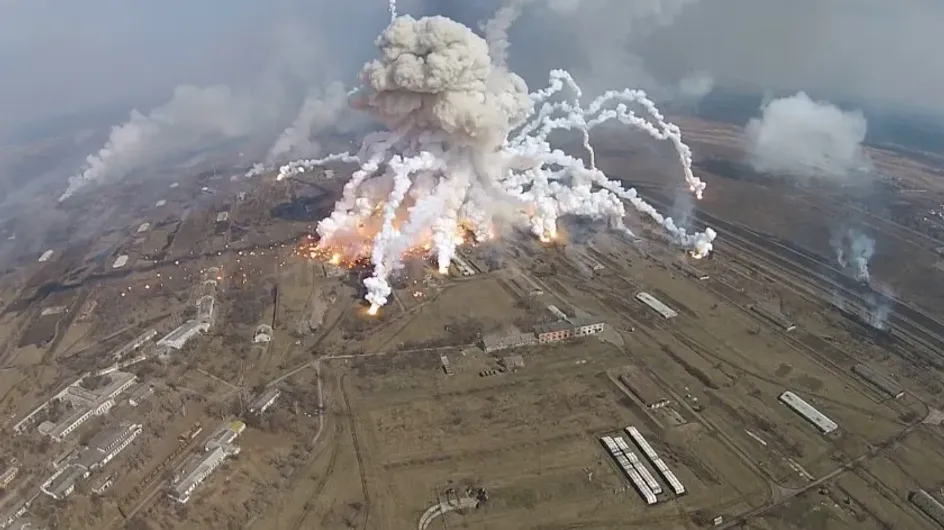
pixel 465 144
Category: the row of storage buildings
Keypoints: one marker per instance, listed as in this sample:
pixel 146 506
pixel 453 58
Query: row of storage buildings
pixel 564 329
pixel 101 450
pixel 637 472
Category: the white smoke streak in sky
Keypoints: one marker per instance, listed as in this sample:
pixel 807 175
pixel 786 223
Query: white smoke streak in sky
pixel 465 142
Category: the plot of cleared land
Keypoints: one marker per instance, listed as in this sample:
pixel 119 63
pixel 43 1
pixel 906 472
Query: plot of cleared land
pixel 529 437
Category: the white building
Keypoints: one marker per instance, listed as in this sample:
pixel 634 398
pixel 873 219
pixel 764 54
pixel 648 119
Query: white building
pixel 196 470
pixel 104 447
pixel 801 407
pixel 46 256
pixel 144 227
pixel 586 326
pixel 655 304
pixel 120 262
pixel 87 403
pixel 186 331
pixel 225 435
pixel 62 483
pixel 265 400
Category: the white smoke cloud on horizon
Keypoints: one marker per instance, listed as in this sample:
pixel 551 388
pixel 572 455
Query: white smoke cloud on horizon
pixel 801 137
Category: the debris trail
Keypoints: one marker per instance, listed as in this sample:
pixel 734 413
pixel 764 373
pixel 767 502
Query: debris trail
pixel 466 144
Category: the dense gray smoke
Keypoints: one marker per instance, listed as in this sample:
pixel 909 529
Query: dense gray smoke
pixel 436 74
pixel 798 136
pixel 464 136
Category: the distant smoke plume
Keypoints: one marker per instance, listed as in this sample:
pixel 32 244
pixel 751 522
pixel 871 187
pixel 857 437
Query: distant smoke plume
pixel 695 86
pixel 322 109
pixel 854 250
pixel 798 136
pixel 191 118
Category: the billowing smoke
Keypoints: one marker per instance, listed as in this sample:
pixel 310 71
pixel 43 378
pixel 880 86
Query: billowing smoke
pixel 321 109
pixel 798 136
pixel 466 141
pixel 193 116
pixel 854 251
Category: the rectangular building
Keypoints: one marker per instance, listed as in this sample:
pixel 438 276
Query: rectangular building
pixel 929 505
pixel 120 262
pixel 15 511
pixel 225 435
pixel 492 342
pixel 62 484
pixel 177 338
pixel 656 305
pixel 554 332
pixel 265 400
pixel 809 413
pixel 101 484
pixel 881 381
pixel 584 326
pixel 774 317
pixel 638 465
pixel 655 460
pixel 8 476
pixel 46 255
pixel 68 425
pixel 629 470
pixel 196 470
pixel 644 388
pixel 140 394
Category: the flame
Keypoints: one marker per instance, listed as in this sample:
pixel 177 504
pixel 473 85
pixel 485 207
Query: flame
pixel 373 310
pixel 335 258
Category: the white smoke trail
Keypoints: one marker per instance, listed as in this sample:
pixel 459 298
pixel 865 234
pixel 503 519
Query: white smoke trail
pixel 393 10
pixel 193 116
pixel 463 134
pixel 854 250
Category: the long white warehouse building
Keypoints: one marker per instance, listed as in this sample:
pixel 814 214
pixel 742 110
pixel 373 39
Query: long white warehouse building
pixel 654 303
pixel 656 460
pixel 809 413
pixel 630 471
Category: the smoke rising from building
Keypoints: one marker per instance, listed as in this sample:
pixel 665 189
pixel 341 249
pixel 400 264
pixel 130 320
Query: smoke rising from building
pixel 801 137
pixel 465 140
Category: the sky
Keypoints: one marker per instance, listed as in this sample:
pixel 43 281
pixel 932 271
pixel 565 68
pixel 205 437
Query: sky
pixel 64 57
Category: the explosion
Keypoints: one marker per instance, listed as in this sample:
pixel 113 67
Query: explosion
pixel 466 147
